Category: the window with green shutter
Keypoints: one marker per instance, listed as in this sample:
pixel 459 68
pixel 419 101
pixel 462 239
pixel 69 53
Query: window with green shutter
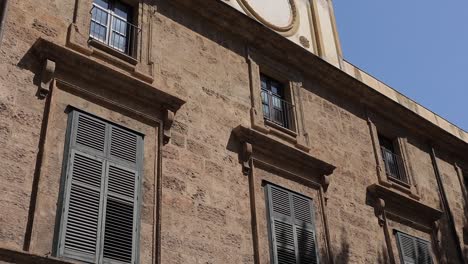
pixel 413 250
pixel 99 221
pixel 291 226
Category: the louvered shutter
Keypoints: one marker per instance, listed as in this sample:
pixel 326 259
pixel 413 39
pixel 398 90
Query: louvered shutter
pixel 413 250
pixel 292 227
pixel 424 252
pixel 305 233
pixel 85 178
pixel 122 183
pixel 100 209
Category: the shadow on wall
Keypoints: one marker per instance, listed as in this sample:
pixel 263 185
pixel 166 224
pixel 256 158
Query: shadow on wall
pixel 341 254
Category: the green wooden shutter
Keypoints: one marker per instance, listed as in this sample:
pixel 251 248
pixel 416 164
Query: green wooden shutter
pixel 305 232
pixel 413 250
pixel 100 212
pixel 121 199
pixel 84 189
pixel 292 227
pixel 424 252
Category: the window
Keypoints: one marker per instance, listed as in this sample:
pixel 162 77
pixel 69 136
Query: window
pixel 413 250
pixel 111 24
pixel 291 225
pixel 99 220
pixel 393 162
pixel 276 108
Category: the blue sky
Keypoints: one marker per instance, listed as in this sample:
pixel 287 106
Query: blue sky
pixel 419 47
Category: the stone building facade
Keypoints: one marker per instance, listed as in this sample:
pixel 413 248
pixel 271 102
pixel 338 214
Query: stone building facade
pixel 210 131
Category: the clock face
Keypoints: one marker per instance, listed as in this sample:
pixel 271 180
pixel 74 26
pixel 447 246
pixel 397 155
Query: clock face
pixel 278 14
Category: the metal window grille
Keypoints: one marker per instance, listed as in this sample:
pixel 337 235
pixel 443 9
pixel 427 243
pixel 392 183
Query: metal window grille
pixel 276 108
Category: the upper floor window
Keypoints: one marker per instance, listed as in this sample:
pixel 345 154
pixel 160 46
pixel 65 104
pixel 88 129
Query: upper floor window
pixel 99 219
pixel 413 250
pixel 394 166
pixel 292 228
pixel 111 24
pixel 276 107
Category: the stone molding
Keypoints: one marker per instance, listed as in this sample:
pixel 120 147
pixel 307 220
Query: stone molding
pixel 409 189
pixel 79 65
pixel 388 203
pixel 263 151
pixel 403 207
pixel 258 145
pixel 258 64
pixel 142 66
pixel 287 30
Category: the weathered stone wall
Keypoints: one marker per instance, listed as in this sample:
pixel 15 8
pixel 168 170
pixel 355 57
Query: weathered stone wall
pixel 206 206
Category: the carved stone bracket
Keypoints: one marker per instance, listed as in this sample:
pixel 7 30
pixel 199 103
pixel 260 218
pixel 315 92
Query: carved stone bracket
pixel 47 75
pixel 380 211
pixel 246 156
pixel 168 121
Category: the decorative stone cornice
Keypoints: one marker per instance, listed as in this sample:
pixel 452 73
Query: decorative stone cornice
pixel 257 145
pixel 77 65
pixel 400 205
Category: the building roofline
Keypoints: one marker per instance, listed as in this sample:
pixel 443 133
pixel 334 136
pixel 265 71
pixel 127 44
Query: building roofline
pixel 404 101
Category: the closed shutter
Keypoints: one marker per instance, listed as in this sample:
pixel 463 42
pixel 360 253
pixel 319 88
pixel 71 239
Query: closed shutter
pixel 413 250
pixel 100 209
pixel 292 227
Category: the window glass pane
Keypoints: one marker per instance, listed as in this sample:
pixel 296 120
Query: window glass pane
pixel 264 82
pixel 276 88
pixel 102 3
pixel 122 11
pixel 386 143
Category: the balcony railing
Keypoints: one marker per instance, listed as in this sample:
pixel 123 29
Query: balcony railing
pixel 277 110
pixel 113 31
pixel 394 166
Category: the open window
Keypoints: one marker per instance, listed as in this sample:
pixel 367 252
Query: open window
pixel 392 159
pixel 277 105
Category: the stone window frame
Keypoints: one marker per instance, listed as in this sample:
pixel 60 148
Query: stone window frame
pixel 292 81
pixel 400 140
pixel 142 65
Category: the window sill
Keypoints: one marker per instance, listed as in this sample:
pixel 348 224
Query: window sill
pixel 105 51
pixel 280 128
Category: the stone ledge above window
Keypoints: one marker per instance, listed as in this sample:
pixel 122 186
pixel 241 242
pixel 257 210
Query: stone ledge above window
pixel 403 206
pixel 271 151
pixel 135 58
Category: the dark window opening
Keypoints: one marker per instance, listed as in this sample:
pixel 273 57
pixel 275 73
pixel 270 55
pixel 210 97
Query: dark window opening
pixel 276 107
pixel 393 162
pixel 111 24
